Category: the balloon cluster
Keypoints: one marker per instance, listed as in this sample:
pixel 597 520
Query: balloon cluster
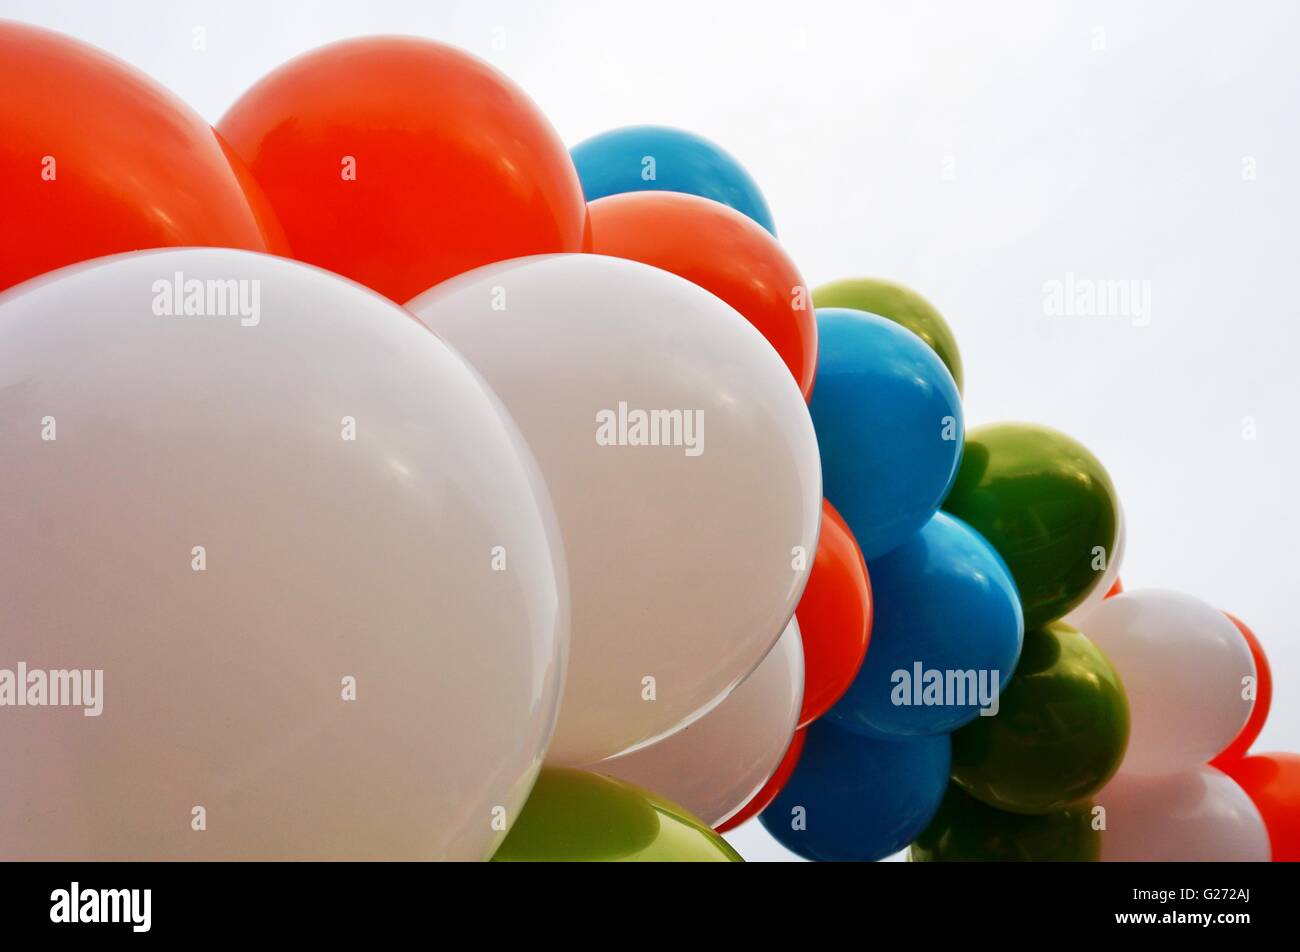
pixel 391 482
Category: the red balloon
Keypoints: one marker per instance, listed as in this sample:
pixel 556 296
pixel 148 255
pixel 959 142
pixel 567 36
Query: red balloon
pixel 834 617
pixel 722 251
pixel 775 784
pixel 97 159
pixel 1263 700
pixel 1272 781
pixel 1117 588
pixel 400 162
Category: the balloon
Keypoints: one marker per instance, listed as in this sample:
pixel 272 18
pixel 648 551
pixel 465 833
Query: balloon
pixel 1045 503
pixel 244 522
pixel 834 617
pixel 855 798
pixel 684 530
pixel 775 784
pixel 1110 584
pixel 946 636
pixel 1272 781
pixel 722 251
pixel 659 158
pixel 900 305
pixel 1263 699
pixel 96 158
pixel 716 765
pixel 965 830
pixel 400 162
pixel 1196 815
pixel 1185 666
pixel 889 424
pixel 1059 735
pixel 575 816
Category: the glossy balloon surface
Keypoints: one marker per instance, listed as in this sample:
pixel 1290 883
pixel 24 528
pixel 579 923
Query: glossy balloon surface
pixel 945 639
pixel 1272 781
pixel 576 816
pixel 1263 699
pixel 901 305
pixel 775 784
pixel 967 831
pixel 660 158
pixel 889 426
pixel 1046 504
pixel 1060 733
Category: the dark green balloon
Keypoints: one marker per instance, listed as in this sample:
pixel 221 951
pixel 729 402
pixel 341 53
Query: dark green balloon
pixel 967 831
pixel 1048 507
pixel 576 816
pixel 900 305
pixel 1059 734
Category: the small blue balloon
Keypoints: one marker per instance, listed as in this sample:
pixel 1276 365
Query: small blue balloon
pixel 854 798
pixel 945 637
pixel 889 425
pixel 650 158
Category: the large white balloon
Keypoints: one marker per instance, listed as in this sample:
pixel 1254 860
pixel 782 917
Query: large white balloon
pixel 684 470
pixel 304 544
pixel 716 765
pixel 1195 815
pixel 1079 615
pixel 1184 666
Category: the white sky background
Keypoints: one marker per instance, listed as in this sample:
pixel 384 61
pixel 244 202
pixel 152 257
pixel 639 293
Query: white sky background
pixel 1107 139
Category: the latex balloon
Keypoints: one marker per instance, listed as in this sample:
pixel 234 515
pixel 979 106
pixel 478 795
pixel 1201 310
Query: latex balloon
pixel 660 158
pixel 1272 781
pixel 946 636
pixel 889 425
pixel 855 798
pixel 399 162
pixel 260 514
pixel 1110 584
pixel 902 306
pixel 1196 815
pixel 1188 672
pixel 1263 690
pixel 775 784
pixel 722 251
pixel 650 430
pixel 1045 503
pixel 1060 732
pixel 716 765
pixel 965 830
pixel 96 158
pixel 575 816
pixel 834 617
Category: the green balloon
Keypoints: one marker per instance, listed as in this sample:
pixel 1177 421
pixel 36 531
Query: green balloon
pixel 900 305
pixel 576 816
pixel 967 831
pixel 1059 734
pixel 1046 505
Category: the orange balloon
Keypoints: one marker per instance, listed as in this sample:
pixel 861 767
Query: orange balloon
pixel 834 617
pixel 1116 589
pixel 723 252
pixel 1263 700
pixel 1272 781
pixel 97 159
pixel 400 162
pixel 775 784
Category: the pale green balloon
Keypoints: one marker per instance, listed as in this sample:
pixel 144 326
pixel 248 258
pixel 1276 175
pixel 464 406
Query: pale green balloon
pixel 902 306
pixel 578 816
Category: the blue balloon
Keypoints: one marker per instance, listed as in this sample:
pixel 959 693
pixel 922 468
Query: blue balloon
pixel 889 424
pixel 945 637
pixel 855 798
pixel 659 158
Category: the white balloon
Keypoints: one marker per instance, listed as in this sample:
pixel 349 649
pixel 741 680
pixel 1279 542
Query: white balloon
pixel 1197 815
pixel 1098 594
pixel 684 556
pixel 276 527
pixel 1184 665
pixel 716 765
